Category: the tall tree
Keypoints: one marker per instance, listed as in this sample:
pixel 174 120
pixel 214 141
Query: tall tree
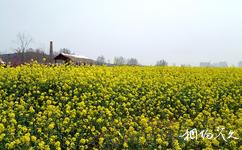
pixel 162 63
pixel 23 41
pixel 240 64
pixel 132 62
pixel 65 50
pixel 101 60
pixel 119 60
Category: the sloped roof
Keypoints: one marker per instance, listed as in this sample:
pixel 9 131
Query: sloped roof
pixel 73 57
pixel 1 61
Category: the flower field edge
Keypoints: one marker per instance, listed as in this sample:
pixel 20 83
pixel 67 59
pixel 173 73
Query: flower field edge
pixel 100 107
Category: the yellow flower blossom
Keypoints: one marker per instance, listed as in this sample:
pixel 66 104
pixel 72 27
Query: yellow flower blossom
pixel 1 128
pixel 142 140
pixel 125 145
pixel 51 125
pixel 101 141
pixel 33 138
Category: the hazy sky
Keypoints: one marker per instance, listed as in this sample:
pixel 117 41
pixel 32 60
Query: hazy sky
pixel 179 31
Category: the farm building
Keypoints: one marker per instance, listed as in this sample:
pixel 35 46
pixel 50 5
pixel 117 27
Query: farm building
pixel 15 59
pixel 76 59
pixel 1 61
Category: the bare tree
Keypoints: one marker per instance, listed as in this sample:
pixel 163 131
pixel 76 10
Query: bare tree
pixel 101 60
pixel 119 60
pixel 23 41
pixel 240 64
pixel 132 62
pixel 161 63
pixel 220 64
pixel 65 50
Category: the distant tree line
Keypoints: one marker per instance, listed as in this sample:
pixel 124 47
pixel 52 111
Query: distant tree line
pixel 120 61
pixel 123 61
pixel 161 63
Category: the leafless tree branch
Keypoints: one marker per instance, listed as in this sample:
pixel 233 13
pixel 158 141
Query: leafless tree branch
pixel 23 42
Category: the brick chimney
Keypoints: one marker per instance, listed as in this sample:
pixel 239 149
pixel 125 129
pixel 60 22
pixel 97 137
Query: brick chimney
pixel 51 50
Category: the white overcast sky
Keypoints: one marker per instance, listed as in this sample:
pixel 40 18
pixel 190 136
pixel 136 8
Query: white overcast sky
pixel 179 31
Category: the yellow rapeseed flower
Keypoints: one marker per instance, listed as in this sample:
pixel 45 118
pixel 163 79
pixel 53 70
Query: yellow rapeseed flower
pixel 142 140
